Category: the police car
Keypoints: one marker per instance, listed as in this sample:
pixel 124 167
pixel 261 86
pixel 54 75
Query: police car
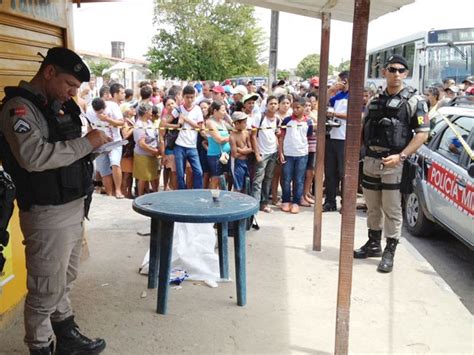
pixel 444 184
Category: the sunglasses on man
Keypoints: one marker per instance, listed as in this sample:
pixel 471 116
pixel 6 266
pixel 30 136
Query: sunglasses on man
pixel 394 70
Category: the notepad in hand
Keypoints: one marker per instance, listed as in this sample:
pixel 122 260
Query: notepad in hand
pixel 107 147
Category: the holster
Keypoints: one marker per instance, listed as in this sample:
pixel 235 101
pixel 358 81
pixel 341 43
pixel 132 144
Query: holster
pixel 7 196
pixel 408 175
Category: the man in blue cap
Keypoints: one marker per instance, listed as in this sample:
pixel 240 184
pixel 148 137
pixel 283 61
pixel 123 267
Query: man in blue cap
pixel 42 148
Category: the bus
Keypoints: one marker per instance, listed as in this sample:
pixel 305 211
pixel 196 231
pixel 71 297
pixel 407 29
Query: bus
pixel 432 56
pixel 243 80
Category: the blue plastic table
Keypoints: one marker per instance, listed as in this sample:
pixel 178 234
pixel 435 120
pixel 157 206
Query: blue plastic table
pixel 195 206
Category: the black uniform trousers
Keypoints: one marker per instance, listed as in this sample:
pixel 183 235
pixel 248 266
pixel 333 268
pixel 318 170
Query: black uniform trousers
pixel 333 168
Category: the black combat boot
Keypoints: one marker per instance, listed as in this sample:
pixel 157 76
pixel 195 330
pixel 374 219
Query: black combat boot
pixel 70 341
pixel 386 264
pixel 371 248
pixel 49 350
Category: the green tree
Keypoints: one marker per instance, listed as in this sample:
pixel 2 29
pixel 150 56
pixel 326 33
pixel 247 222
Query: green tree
pixel 344 66
pixel 97 66
pixel 259 70
pixel 283 74
pixel 208 39
pixel 309 67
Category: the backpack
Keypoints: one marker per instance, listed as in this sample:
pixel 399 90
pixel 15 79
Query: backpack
pixel 278 122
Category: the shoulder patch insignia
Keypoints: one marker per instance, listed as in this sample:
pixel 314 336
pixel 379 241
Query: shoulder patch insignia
pixel 18 111
pixel 21 126
pixel 425 106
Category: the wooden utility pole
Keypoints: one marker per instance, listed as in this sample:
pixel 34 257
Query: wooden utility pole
pixel 351 172
pixel 321 129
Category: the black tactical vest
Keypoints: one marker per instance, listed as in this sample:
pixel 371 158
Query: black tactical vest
pixel 54 186
pixel 387 123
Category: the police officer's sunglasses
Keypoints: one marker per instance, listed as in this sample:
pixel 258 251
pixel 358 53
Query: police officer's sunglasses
pixel 394 70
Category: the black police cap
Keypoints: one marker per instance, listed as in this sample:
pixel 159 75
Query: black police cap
pixel 68 61
pixel 396 59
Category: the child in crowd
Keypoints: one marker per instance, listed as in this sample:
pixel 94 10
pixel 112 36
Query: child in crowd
pixel 248 108
pixel 284 110
pixel 169 134
pixel 145 162
pixel 155 96
pixel 191 120
pixel 241 147
pixel 129 112
pixel 293 152
pixel 307 198
pixel 313 98
pixel 265 139
pixel 156 118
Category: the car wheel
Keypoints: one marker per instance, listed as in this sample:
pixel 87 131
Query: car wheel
pixel 415 219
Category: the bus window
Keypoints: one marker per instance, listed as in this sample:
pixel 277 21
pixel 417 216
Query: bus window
pixel 386 54
pixel 375 65
pixel 446 62
pixel 398 50
pixel 369 66
pixel 409 54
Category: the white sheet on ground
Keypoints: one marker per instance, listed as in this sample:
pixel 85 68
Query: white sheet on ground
pixel 193 251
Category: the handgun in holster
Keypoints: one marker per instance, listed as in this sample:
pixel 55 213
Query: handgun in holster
pixel 408 175
pixel 7 196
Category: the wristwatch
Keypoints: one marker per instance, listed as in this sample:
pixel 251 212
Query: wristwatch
pixel 403 157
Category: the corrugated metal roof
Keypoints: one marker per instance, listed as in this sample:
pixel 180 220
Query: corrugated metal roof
pixel 342 10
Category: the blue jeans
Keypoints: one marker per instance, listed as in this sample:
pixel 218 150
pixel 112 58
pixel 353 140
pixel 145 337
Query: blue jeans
pixel 293 171
pixel 181 154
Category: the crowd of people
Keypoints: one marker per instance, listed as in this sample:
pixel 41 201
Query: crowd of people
pixel 188 137
pixel 191 136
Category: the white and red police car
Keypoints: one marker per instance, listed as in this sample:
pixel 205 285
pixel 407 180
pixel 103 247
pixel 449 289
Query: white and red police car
pixel 444 184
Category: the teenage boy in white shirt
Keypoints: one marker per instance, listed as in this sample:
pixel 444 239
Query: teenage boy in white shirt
pixel 191 120
pixel 293 151
pixel 265 141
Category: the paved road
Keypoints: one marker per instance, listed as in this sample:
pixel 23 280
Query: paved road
pixel 453 261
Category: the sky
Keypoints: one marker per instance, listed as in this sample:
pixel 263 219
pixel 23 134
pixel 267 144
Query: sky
pixel 131 21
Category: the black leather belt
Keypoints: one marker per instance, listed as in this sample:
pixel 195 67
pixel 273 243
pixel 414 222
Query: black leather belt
pixel 379 155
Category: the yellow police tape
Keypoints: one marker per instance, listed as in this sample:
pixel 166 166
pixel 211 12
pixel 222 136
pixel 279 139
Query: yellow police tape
pixel 254 129
pixel 458 136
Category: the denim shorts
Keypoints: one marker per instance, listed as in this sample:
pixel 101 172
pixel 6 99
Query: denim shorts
pixel 216 168
pixel 240 171
pixel 104 162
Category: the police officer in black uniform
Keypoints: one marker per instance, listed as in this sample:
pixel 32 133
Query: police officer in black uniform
pixel 396 125
pixel 42 148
